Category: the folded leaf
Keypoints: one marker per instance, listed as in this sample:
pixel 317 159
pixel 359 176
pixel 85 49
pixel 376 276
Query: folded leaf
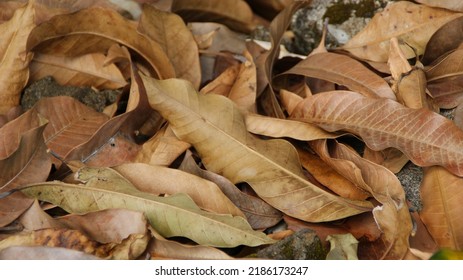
pixel 215 127
pixel 427 138
pixel 343 70
pixel 407 21
pixel 87 70
pixel 171 216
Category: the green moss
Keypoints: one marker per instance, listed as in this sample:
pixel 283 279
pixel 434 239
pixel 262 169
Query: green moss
pixel 340 12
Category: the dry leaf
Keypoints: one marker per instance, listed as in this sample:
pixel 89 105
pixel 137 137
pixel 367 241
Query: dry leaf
pixel 454 5
pixel 43 253
pixel 427 138
pixel 211 121
pixel 179 46
pixel 259 214
pixel 14 71
pixel 444 40
pixel 162 149
pixel 159 180
pixel 407 21
pixel 278 128
pixel 96 30
pixel 87 70
pixel 442 197
pixel 409 84
pixel 235 14
pixel 343 70
pixel 171 216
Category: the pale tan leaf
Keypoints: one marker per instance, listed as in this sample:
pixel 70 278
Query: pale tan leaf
pixel 86 70
pixel 342 247
pixel 14 59
pixel 454 5
pixel 162 149
pixel 442 196
pixel 170 32
pixel 427 138
pixel 211 121
pixel 343 70
pixel 278 128
pixel 407 21
pixel 43 253
pixel 162 180
pixel 171 216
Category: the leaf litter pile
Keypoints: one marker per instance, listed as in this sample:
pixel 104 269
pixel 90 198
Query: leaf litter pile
pixel 217 148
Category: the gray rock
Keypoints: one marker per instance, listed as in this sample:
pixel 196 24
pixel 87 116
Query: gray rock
pixel 302 245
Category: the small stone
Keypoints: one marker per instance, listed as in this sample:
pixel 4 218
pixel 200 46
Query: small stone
pixel 48 87
pixel 302 245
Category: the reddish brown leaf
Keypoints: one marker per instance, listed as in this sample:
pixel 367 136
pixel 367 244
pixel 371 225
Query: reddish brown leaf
pixel 343 70
pixel 425 137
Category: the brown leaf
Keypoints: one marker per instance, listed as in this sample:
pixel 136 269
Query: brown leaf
pixel 407 21
pixel 170 32
pixel 96 30
pixel 331 178
pixel 278 128
pixel 162 149
pixel 14 57
pixel 259 214
pixel 447 69
pixel 161 248
pixel 43 253
pixel 239 86
pixel 214 39
pixel 159 180
pixel 28 163
pixel 212 121
pixel 86 70
pixel 268 8
pixel 409 84
pixel 278 27
pixel 343 70
pixel 444 40
pixel 447 4
pixel 384 123
pixel 235 14
pixel 71 123
pixel 442 197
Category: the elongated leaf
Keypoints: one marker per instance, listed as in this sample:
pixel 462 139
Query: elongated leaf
pixel 162 180
pixel 407 21
pixel 170 32
pixel 215 127
pixel 447 68
pixel 277 128
pixel 427 138
pixel 171 216
pixel 447 4
pixel 87 70
pixel 442 196
pixel 259 214
pixel 14 60
pixel 343 70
